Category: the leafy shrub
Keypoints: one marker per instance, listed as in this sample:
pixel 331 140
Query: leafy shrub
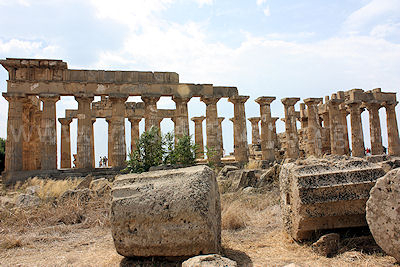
pixel 154 150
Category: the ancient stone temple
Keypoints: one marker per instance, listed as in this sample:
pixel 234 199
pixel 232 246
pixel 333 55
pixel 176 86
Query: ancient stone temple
pixel 35 85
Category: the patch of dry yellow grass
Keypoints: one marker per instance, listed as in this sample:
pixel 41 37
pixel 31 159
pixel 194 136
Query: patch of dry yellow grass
pixel 253 164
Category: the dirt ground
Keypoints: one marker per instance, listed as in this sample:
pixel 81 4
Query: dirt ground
pixel 252 235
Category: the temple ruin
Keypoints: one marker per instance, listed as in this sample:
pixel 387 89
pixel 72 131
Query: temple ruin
pixel 35 85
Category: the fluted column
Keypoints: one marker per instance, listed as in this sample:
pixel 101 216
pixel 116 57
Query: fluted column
pixel 110 141
pixel 134 131
pixel 65 142
pixel 181 115
pixel 13 157
pixel 336 127
pixel 118 126
pixel 92 144
pixel 314 138
pixel 37 158
pixel 343 121
pixel 392 129
pixel 221 140
pixel 267 136
pixel 49 132
pixel 375 127
pixel 234 136
pixel 198 136
pixel 255 130
pixel 213 145
pixel 150 111
pixel 326 137
pixel 240 129
pixel 85 131
pixel 357 138
pixel 292 139
pixel 273 120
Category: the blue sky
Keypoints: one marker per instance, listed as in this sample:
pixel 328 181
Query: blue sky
pixel 264 47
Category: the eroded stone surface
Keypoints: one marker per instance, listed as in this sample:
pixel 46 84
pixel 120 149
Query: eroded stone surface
pixel 327 245
pixel 383 213
pixel 212 260
pixel 325 193
pixel 166 213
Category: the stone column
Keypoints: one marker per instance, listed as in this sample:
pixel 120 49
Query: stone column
pixel 85 131
pixel 274 119
pixel 234 136
pixel 343 115
pixel 37 158
pixel 92 144
pixel 221 141
pixel 49 132
pixel 255 130
pixel 118 122
pixel 267 136
pixel 198 136
pixel 13 157
pixel 292 140
pixel 392 129
pixel 240 129
pixel 303 116
pixel 357 138
pixel 134 131
pixel 375 127
pixel 150 111
pixel 110 141
pixel 181 115
pixel 314 138
pixel 326 140
pixel 213 145
pixel 65 142
pixel 336 127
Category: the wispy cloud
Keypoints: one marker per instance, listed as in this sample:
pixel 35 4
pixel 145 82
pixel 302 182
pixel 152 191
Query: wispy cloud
pixel 261 2
pixel 267 11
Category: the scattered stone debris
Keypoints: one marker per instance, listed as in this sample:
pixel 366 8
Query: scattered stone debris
pixel 383 213
pixel 212 260
pixel 171 213
pixel 327 245
pixel 27 200
pixel 81 194
pixel 100 187
pixel 325 193
pixel 86 182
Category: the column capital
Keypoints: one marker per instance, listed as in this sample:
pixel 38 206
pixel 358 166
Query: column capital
pixel 254 119
pixel 390 104
pixel 65 121
pixel 274 119
pixel 134 119
pixel 265 100
pixel 93 120
pixel 118 97
pixel 354 104
pixel 210 100
pixel 312 101
pixel 180 99
pixel 150 99
pixel 372 104
pixel 236 99
pixel 232 120
pixel 335 102
pixel 198 119
pixel 221 119
pixel 290 101
pixel 14 96
pixel 49 97
pixel 84 97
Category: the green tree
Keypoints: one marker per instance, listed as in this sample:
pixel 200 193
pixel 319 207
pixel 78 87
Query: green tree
pixel 2 153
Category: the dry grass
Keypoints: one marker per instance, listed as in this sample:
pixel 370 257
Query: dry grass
pixel 9 242
pixel 253 164
pixel 48 188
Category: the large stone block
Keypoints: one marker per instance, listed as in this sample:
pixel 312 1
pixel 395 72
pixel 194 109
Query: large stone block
pixel 325 193
pixel 383 213
pixel 166 213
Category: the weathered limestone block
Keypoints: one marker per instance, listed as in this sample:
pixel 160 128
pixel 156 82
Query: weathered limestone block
pixel 166 213
pixel 383 213
pixel 212 260
pixel 325 193
pixel 327 245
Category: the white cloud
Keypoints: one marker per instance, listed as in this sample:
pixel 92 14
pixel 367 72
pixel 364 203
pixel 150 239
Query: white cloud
pixel 267 11
pixel 204 2
pixel 261 2
pixel 375 9
pixel 25 3
pixel 384 30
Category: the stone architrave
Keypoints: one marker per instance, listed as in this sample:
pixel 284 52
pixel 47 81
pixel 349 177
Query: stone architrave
pixel 181 115
pixel 240 128
pixel 150 111
pixel 198 136
pixel 392 129
pixel 213 145
pixel 255 130
pixel 267 136
pixel 221 141
pixel 134 131
pixel 357 138
pixel 292 139
pixel 110 141
pixel 314 137
pixel 85 130
pixel 118 122
pixel 49 132
pixel 65 142
pixel 373 107
pixel 336 127
pixel 13 157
